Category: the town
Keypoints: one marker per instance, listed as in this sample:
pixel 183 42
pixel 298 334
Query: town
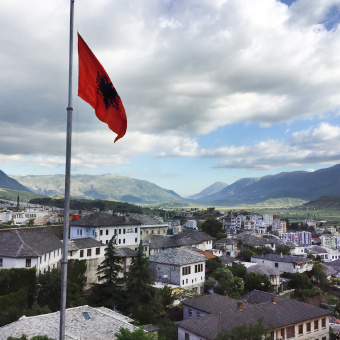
pixel 202 274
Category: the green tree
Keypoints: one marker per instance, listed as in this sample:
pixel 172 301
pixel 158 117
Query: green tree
pixel 49 284
pixel 257 281
pixel 214 263
pixel 142 301
pixel 109 292
pixel 76 281
pixel 283 249
pixel 245 332
pixel 239 270
pixel 319 273
pixel 228 283
pixel 212 226
pixel 138 334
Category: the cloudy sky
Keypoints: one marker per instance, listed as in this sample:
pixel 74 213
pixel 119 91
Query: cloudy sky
pixel 214 90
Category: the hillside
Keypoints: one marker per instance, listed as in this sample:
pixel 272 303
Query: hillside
pixel 11 195
pixel 210 190
pixel 303 185
pixel 324 203
pixel 104 187
pixel 7 182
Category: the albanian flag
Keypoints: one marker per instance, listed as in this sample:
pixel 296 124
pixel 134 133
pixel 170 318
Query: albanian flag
pixel 95 87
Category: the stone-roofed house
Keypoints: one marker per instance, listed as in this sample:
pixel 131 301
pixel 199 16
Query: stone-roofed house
pixel 258 296
pixel 272 273
pixel 206 316
pixel 257 241
pixel 228 245
pixel 29 248
pixel 284 263
pixel 84 322
pixel 150 226
pixel 127 256
pixel 153 244
pixel 102 227
pixel 181 267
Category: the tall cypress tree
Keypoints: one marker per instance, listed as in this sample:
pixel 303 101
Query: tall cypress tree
pixel 141 297
pixel 109 292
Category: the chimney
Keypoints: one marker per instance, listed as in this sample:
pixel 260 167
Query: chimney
pixel 127 218
pixel 274 300
pixel 281 255
pixel 240 305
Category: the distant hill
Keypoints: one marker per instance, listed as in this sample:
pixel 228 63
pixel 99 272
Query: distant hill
pixel 210 190
pixel 303 185
pixel 7 182
pixel 104 187
pixel 324 203
pixel 24 196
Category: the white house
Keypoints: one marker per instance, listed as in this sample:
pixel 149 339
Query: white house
pixel 284 263
pixel 191 224
pixel 182 267
pixel 102 227
pixel 28 249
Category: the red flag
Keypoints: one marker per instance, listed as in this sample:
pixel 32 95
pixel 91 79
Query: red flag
pixel 95 87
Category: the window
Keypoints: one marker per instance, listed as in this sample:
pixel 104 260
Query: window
pixel 107 241
pixel 123 240
pixel 323 323
pixel 136 230
pixel 276 265
pixel 101 233
pixel 120 241
pixel 198 314
pixel 316 325
pixel 1 262
pixel 186 270
pixel 107 231
pixel 89 252
pixel 115 231
pixel 123 231
pixel 187 336
pixel 189 312
pixel 28 262
pixel 81 253
pixel 198 268
pixel 45 257
pixel 290 332
pixel 120 231
pixel 300 329
pixel 308 327
pixel 136 239
pixel 97 251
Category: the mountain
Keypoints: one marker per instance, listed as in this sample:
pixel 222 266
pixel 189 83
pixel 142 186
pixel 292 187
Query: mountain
pixel 7 182
pixel 324 202
pixel 105 187
pixel 210 190
pixel 304 185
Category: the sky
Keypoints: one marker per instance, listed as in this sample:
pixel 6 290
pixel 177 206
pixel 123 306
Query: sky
pixel 214 90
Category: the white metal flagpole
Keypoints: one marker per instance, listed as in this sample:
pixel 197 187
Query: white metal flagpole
pixel 67 186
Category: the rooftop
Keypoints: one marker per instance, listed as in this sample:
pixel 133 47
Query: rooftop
pixel 99 323
pixel 103 219
pixel 177 256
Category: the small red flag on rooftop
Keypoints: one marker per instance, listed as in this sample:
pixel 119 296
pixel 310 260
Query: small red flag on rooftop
pixel 95 87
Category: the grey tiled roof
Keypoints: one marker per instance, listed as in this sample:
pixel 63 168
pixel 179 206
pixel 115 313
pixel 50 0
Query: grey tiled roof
pixel 125 252
pixel 264 270
pixel 86 242
pixel 316 250
pixel 179 240
pixel 282 313
pixel 257 296
pixel 212 303
pixel 226 241
pixel 27 243
pixel 177 256
pixel 102 325
pixel 145 219
pixel 254 240
pixel 227 259
pixel 282 258
pixel 103 219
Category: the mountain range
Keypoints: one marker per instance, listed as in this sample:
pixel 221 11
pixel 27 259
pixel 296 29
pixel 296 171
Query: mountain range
pixel 301 185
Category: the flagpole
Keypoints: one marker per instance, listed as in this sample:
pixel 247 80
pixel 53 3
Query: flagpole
pixel 67 186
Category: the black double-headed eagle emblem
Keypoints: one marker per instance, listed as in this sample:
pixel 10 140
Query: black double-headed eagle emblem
pixel 107 91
